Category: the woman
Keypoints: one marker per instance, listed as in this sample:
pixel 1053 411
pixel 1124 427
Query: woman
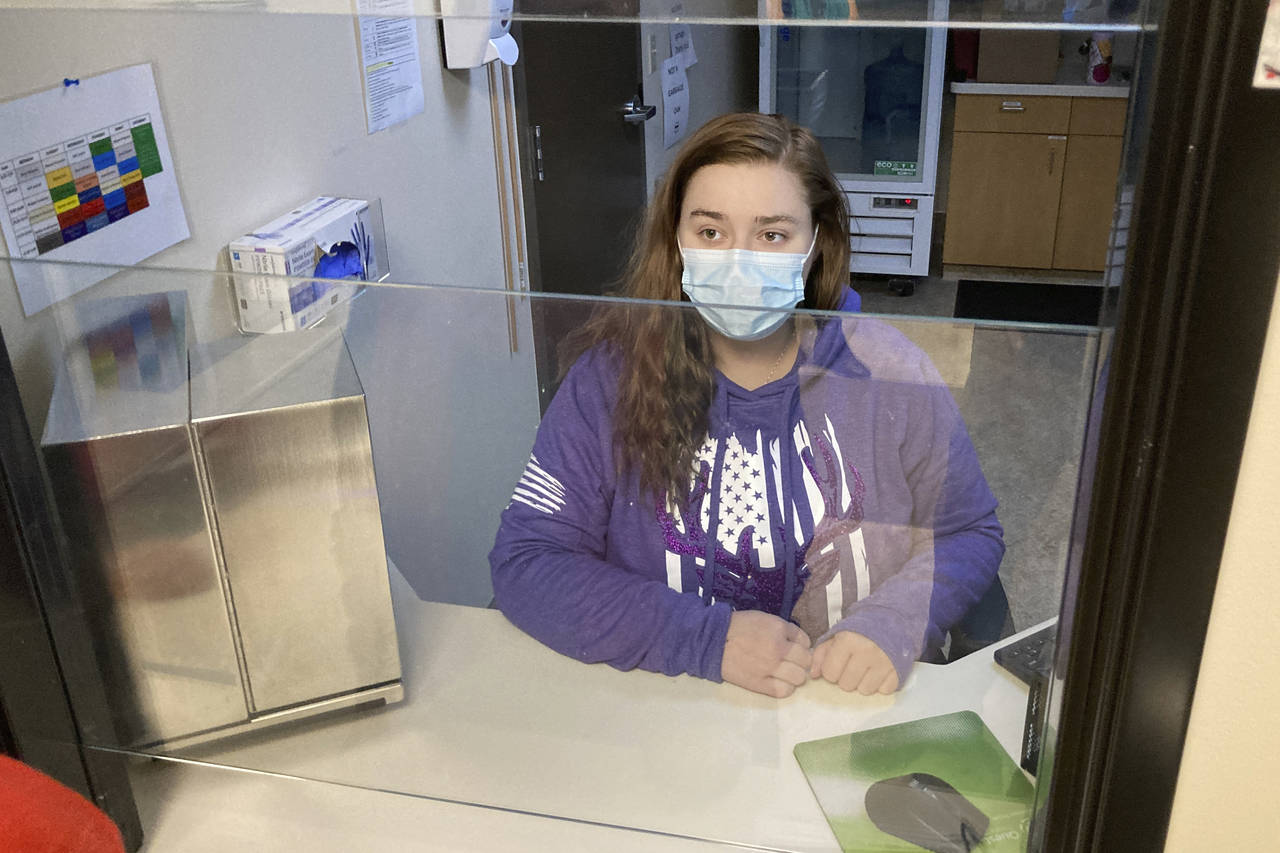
pixel 734 492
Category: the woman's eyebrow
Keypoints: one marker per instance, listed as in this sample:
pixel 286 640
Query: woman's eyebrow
pixel 709 214
pixel 776 218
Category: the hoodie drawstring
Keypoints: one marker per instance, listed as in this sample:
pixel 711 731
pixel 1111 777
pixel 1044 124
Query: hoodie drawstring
pixel 789 510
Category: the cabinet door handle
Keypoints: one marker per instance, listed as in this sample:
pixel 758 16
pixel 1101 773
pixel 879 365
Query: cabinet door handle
pixel 1012 107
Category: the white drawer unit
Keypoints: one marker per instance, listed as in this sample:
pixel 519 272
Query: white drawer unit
pixel 890 234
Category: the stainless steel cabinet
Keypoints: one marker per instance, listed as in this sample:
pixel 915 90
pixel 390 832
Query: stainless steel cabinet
pixel 291 483
pixel 224 530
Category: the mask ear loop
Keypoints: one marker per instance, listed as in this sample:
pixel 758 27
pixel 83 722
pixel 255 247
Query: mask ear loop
pixel 804 275
pixel 813 243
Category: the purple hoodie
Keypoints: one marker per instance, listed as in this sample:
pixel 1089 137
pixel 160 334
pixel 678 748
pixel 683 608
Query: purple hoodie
pixel 844 496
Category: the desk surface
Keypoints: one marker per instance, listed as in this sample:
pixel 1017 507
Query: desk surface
pixel 491 717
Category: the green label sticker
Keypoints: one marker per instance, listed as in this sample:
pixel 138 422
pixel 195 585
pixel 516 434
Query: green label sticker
pixel 901 168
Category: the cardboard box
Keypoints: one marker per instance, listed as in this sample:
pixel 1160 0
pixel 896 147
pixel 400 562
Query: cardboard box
pixel 330 241
pixel 1018 56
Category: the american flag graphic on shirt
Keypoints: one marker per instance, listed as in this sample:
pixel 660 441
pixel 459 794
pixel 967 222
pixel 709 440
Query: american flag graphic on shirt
pixel 538 489
pixel 743 498
pixel 746 529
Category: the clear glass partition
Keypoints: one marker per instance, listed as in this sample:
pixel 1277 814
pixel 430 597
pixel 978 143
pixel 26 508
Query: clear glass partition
pixel 284 536
pixel 1058 14
pixel 284 546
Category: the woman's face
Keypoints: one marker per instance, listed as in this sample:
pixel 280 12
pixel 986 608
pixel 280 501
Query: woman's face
pixel 756 206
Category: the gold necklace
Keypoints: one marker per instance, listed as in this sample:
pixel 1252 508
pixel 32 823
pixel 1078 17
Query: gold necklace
pixel 777 362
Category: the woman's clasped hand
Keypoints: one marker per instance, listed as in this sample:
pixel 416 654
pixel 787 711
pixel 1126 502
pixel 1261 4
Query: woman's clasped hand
pixel 769 655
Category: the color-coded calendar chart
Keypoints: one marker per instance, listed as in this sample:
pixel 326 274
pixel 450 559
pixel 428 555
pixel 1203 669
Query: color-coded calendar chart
pixel 65 191
pixel 87 183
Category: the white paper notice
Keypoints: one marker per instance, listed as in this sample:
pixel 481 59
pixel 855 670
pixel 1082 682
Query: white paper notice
pixel 675 101
pixel 389 57
pixel 682 38
pixel 1266 75
pixel 86 176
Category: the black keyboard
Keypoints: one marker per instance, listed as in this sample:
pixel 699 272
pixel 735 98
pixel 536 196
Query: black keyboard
pixel 1031 656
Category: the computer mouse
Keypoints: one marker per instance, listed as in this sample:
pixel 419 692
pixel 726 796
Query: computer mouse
pixel 926 811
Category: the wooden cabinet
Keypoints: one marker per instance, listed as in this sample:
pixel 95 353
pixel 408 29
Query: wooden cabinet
pixel 1088 200
pixel 1033 181
pixel 994 226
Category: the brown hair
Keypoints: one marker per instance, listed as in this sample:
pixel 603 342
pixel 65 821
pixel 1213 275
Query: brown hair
pixel 665 388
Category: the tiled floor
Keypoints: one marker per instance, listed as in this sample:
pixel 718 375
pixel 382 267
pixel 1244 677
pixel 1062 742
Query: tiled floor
pixel 933 297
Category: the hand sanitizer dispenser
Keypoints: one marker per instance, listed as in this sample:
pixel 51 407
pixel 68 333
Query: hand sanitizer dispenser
pixel 476 32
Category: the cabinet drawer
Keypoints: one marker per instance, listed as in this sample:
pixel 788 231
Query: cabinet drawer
pixel 880 245
pixel 1098 116
pixel 1013 113
pixel 882 226
pixel 875 262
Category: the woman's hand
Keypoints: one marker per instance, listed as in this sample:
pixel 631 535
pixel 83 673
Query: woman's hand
pixel 853 662
pixel 765 653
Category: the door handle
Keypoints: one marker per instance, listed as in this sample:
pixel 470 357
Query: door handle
pixel 636 112
pixel 1053 153
pixel 1012 107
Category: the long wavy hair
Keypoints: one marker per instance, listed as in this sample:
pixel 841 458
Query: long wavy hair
pixel 667 377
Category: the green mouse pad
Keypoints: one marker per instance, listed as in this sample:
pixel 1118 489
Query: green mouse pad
pixel 954 748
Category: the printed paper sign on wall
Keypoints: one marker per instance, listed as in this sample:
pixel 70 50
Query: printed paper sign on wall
pixel 675 101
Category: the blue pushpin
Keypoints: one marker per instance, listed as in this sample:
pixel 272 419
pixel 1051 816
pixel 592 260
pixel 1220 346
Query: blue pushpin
pixel 68 82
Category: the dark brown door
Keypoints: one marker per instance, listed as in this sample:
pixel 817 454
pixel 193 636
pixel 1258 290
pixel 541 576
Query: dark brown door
pixel 584 168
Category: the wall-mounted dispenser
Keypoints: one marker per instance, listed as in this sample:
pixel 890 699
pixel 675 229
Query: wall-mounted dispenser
pixel 477 32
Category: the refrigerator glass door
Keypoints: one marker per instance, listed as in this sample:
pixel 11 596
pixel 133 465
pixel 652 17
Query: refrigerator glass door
pixel 866 90
pixel 862 92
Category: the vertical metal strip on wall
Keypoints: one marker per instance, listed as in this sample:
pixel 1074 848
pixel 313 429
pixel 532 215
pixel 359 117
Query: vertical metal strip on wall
pixel 510 191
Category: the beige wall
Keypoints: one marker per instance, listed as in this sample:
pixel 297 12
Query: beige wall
pixel 1226 797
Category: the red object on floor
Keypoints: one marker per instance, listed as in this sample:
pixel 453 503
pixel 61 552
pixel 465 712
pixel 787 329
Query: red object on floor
pixel 38 814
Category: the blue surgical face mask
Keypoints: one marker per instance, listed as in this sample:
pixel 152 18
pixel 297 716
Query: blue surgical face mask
pixel 727 286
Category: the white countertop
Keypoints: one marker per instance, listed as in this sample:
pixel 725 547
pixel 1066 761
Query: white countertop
pixel 493 718
pixel 1070 83
pixel 189 808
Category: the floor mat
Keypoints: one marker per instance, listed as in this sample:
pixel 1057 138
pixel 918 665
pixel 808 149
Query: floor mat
pixel 1030 303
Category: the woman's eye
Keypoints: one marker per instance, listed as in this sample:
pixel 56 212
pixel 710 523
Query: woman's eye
pixel 709 233
pixel 774 237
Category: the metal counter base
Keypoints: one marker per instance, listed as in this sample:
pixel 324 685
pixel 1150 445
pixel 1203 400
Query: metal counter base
pixel 383 694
